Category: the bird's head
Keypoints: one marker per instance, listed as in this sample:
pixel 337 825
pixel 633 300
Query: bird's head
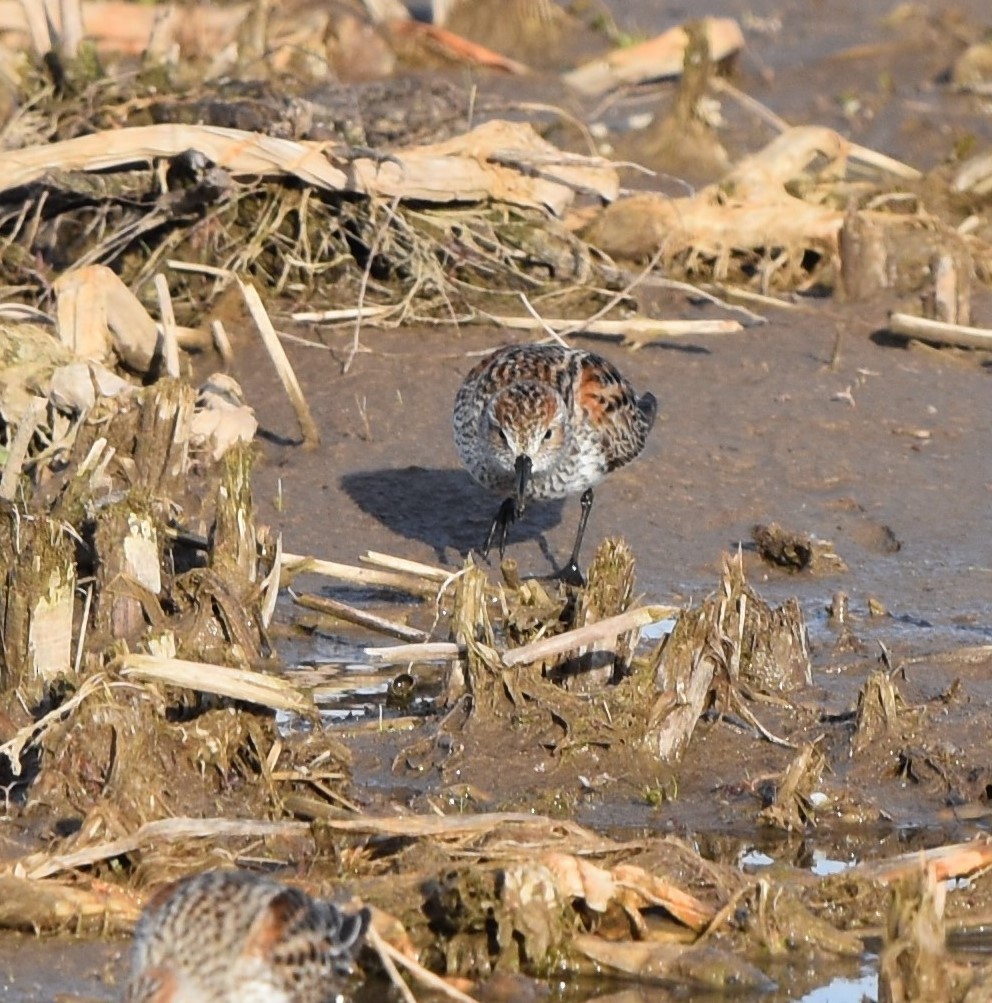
pixel 527 428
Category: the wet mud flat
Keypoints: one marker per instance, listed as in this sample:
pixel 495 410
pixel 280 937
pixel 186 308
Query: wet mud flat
pixel 901 604
pixel 749 755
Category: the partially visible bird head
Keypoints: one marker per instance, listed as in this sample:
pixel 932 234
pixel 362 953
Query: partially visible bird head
pixel 527 427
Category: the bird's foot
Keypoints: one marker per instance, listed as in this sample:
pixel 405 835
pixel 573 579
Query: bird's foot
pixel 506 514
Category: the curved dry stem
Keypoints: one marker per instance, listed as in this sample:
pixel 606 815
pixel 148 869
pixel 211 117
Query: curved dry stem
pixel 421 974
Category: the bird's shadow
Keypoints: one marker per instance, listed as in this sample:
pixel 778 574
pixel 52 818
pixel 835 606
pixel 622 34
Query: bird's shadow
pixel 443 508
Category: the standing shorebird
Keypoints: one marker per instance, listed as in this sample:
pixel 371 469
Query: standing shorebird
pixel 544 421
pixel 236 937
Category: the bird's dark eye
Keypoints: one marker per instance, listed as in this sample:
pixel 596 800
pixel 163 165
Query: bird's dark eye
pixel 502 435
pixel 547 435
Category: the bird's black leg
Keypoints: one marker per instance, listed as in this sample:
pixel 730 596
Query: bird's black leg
pixel 506 513
pixel 570 574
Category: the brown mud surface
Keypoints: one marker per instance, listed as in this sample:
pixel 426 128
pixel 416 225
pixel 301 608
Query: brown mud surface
pixel 817 420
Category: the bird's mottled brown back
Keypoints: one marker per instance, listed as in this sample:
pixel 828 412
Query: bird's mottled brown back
pixel 621 418
pixel 226 936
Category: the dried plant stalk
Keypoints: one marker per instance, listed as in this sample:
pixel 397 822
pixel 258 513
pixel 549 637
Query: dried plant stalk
pixel 308 427
pixel 37 586
pixel 940 333
pixel 237 684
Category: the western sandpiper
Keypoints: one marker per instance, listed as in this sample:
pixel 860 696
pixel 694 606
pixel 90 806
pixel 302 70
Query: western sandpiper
pixel 237 937
pixel 545 421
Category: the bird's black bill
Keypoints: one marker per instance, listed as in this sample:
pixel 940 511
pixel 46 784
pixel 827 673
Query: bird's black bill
pixel 522 466
pixel 511 509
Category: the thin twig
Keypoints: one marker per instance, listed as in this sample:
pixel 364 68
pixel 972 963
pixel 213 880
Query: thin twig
pixel 270 585
pixel 361 617
pixel 745 713
pixel 882 162
pixel 166 830
pixel 940 332
pixel 380 232
pixel 170 344
pixel 602 630
pixel 30 733
pixel 753 105
pixel 84 621
pixel 72 27
pixel 199 268
pixel 222 342
pixel 237 684
pixel 750 296
pixel 635 330
pixel 38 25
pixel 420 973
pixel 385 956
pixel 428 651
pixel 572 120
pixel 542 323
pixel 311 435
pixel 659 282
pixel 723 915
pixel 333 316
pixel 294 564
pixel 18 450
pixel 620 296
pixel 403 564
